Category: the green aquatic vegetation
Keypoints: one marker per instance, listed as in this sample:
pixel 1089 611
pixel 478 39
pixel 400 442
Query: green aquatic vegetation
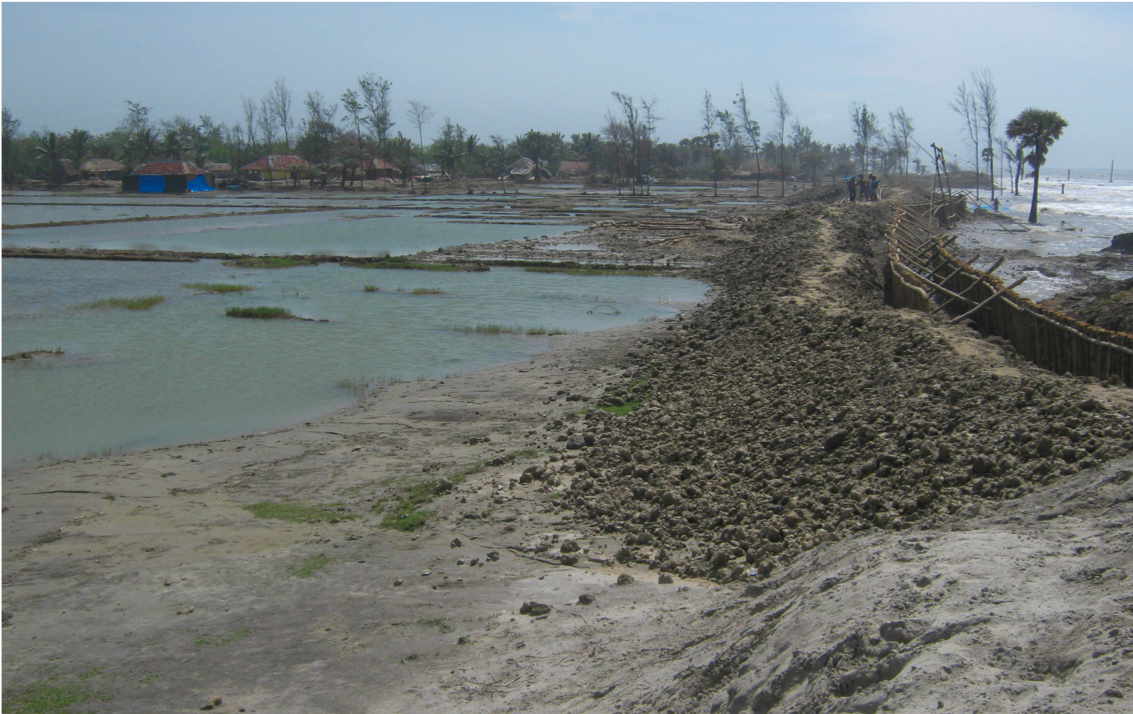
pixel 403 263
pixel 310 566
pixel 216 287
pixel 371 289
pixel 269 262
pixel 642 272
pixel 31 354
pixel 295 512
pixel 428 291
pixel 259 313
pixel 492 329
pixel 134 303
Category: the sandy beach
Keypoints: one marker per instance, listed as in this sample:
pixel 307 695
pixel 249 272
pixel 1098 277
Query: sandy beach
pixel 780 573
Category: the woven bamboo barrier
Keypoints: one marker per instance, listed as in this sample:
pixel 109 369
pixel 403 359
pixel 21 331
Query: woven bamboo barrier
pixel 921 268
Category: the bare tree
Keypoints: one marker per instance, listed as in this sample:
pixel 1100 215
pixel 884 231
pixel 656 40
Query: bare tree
pixel 782 112
pixel 751 129
pixel 711 116
pixel 617 141
pixel 318 131
pixel 420 114
pixel 901 126
pixel 250 121
pixel 987 107
pixel 632 125
pixel 376 98
pixel 649 129
pixel 267 123
pixel 964 104
pixel 279 101
pixel 865 130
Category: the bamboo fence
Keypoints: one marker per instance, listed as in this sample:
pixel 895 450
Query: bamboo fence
pixel 923 275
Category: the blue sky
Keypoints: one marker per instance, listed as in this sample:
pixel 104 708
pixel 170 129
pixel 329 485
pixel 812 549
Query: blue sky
pixel 505 68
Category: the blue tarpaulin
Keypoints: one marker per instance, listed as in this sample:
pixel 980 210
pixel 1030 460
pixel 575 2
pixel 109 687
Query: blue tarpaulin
pixel 151 184
pixel 198 184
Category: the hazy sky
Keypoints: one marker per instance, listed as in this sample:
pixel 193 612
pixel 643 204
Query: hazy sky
pixel 508 67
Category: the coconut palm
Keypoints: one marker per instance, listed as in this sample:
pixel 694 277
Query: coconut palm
pixel 1036 130
pixel 78 145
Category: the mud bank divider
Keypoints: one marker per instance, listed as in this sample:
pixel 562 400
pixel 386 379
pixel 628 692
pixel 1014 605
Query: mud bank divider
pixel 925 276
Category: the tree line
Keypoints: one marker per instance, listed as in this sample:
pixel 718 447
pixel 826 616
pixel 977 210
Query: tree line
pixel 361 128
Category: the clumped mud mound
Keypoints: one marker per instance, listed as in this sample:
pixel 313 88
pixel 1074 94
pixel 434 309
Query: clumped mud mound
pixel 797 409
pixel 1107 304
pixel 1026 609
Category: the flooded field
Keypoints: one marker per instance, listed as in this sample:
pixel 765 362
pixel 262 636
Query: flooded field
pixel 183 370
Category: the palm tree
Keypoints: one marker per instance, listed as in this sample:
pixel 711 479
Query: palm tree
pixel 78 144
pixel 50 147
pixel 1036 130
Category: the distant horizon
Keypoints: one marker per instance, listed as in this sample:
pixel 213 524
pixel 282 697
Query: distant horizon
pixel 509 67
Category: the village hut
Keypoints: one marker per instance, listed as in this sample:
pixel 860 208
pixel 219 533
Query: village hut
pixel 374 169
pixel 573 168
pixel 168 177
pixel 525 170
pixel 754 167
pixel 102 170
pixel 220 171
pixel 276 166
pixel 64 171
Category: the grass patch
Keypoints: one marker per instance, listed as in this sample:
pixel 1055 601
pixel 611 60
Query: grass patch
pixel 221 640
pixel 259 313
pixel 371 289
pixel 52 696
pixel 216 287
pixel 623 409
pixel 134 303
pixel 268 262
pixel 295 512
pixel 310 566
pixel 438 622
pixel 427 291
pixel 405 515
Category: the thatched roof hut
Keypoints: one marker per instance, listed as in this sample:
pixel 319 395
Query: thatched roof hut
pixel 219 170
pixel 574 168
pixel 524 170
pixel 102 170
pixel 756 166
pixel 64 171
pixel 276 166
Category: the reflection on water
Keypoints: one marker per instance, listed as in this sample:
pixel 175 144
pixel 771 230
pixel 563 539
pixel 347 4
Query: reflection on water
pixel 183 371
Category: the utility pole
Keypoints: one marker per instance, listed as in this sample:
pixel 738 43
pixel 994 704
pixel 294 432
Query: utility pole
pixel 1111 170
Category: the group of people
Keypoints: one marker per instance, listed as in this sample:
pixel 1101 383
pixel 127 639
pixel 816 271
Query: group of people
pixel 864 187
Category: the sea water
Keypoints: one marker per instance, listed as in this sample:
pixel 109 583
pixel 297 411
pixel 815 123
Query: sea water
pixel 1076 216
pixel 183 371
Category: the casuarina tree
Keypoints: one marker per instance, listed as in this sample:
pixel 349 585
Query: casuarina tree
pixel 1036 130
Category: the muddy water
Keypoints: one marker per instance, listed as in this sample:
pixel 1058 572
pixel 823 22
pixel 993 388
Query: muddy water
pixel 183 371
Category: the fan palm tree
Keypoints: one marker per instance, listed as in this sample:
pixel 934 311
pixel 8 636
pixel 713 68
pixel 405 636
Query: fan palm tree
pixel 1036 130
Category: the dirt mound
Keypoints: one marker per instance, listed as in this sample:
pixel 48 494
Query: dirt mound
pixel 796 409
